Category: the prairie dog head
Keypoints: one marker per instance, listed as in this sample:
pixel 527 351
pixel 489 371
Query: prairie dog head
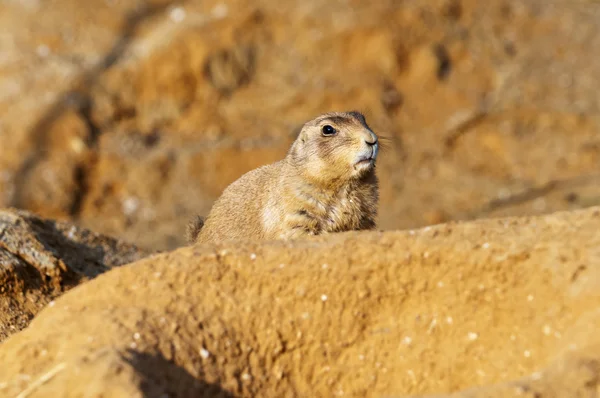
pixel 336 146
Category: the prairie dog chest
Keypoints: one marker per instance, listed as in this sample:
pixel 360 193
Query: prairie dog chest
pixel 308 211
pixel 334 213
pixel 342 214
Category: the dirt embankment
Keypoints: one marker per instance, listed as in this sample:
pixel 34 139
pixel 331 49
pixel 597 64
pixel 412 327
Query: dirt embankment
pixel 41 259
pixel 128 117
pixel 509 306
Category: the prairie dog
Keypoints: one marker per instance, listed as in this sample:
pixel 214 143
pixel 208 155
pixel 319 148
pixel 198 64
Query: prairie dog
pixel 326 183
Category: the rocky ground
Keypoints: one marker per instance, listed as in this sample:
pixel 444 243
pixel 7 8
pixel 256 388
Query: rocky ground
pixel 121 119
pixel 130 116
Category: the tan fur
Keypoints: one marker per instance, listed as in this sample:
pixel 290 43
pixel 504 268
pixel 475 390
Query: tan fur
pixel 317 188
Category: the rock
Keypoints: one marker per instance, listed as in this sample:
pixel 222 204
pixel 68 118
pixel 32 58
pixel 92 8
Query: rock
pixel 127 117
pixel 497 307
pixel 40 259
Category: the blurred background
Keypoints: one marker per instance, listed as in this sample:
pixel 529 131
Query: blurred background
pixel 129 117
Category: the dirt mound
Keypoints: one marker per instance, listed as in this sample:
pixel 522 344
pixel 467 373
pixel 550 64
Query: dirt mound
pixel 40 259
pixel 436 310
pixel 132 116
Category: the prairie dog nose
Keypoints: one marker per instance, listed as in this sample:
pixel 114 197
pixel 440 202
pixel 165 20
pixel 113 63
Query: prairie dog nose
pixel 371 138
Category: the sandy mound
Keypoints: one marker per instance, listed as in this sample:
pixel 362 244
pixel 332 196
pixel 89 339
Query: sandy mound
pixel 435 310
pixel 40 259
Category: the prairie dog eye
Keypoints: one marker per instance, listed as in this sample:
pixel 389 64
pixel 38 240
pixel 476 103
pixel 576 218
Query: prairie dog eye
pixel 328 130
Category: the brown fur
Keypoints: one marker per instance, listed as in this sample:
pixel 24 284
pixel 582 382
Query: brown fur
pixel 317 188
pixel 193 228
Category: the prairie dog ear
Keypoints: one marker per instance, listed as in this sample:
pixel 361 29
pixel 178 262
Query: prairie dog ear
pixel 299 133
pixel 303 137
pixel 299 143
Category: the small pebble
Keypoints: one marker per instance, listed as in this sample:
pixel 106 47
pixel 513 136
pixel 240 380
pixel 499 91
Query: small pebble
pixel 520 390
pixel 177 14
pixel 252 256
pixel 547 330
pixel 539 204
pixel 130 205
pixel 472 336
pixel 204 353
pixel 324 297
pixel 432 326
pixel 504 194
pixel 42 50
pixel 220 11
